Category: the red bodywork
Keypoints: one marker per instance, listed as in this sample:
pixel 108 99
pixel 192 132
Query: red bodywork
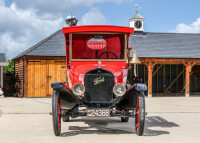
pixel 76 69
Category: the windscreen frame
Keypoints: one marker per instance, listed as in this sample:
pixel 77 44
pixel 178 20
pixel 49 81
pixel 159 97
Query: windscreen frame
pixel 125 46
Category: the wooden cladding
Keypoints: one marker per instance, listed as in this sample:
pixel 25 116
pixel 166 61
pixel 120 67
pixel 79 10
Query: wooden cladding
pixel 35 75
pixel 55 73
pixel 37 79
pixel 42 74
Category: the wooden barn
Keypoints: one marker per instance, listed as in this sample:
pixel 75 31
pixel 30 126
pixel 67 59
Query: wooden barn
pixel 40 65
pixel 170 62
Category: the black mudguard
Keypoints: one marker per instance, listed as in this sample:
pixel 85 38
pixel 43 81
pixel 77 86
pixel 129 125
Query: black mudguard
pixel 67 99
pixel 129 100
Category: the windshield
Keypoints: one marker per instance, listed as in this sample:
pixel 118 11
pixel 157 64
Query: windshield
pixel 98 46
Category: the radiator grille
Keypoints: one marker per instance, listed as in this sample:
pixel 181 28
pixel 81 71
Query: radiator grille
pixel 99 86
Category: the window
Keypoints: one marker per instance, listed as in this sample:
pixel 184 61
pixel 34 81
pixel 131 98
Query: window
pixel 91 46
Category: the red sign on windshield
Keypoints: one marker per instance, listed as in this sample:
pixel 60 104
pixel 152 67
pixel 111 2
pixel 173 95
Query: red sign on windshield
pixel 96 45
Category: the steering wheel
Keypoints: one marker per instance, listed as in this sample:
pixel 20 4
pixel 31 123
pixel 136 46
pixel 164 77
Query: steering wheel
pixel 106 52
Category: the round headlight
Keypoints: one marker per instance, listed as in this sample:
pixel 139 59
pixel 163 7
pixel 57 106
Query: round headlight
pixel 78 89
pixel 119 89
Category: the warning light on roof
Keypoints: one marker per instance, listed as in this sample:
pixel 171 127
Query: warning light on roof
pixel 71 20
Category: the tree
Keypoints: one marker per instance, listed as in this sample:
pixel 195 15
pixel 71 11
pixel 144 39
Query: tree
pixel 10 68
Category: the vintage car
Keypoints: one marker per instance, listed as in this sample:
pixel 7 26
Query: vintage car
pixel 97 65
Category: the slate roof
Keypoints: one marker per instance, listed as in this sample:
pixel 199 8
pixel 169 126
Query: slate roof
pixel 147 45
pixel 166 45
pixel 3 58
pixel 53 45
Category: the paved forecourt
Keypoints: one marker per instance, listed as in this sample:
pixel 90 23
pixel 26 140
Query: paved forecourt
pixel 169 119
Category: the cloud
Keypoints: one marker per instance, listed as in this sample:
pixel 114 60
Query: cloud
pixel 93 17
pixel 61 6
pixel 194 27
pixel 20 29
pixel 25 23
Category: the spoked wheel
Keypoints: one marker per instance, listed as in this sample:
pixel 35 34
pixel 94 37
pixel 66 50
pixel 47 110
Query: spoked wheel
pixel 140 115
pixel 56 113
pixel 124 119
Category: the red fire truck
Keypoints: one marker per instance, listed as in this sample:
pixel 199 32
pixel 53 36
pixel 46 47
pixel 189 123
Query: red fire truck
pixel 97 65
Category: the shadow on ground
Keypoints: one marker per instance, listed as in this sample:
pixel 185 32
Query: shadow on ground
pixel 115 126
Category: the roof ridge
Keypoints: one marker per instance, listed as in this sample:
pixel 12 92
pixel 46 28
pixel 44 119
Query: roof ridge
pixel 172 33
pixel 37 45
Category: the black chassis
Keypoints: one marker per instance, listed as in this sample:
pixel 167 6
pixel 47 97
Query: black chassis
pixel 124 106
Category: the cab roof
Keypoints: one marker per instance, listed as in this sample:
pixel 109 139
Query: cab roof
pixel 98 28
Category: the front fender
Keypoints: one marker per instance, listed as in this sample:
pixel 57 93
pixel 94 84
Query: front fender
pixel 128 101
pixel 67 99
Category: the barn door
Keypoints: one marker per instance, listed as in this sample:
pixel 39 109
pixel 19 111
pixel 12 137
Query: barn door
pixel 37 78
pixel 56 73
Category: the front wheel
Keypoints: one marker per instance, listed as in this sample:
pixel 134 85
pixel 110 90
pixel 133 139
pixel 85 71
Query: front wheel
pixel 56 114
pixel 140 114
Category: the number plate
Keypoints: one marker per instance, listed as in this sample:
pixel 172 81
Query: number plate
pixel 98 112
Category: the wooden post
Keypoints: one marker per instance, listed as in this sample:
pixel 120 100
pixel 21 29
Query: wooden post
pixel 187 80
pixel 150 70
pixel 70 47
pixel 188 67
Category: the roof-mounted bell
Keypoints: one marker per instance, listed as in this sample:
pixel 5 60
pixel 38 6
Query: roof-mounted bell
pixel 71 20
pixel 134 59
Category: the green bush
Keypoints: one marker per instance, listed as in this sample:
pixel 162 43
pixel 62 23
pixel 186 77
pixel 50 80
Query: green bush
pixel 10 68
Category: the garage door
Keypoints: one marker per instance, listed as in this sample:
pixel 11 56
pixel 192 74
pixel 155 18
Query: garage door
pixel 56 73
pixel 40 75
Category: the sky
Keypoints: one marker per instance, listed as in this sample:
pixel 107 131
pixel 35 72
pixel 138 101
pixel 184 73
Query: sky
pixel 23 23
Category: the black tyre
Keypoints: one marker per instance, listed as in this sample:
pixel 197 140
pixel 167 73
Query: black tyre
pixel 140 114
pixel 56 113
pixel 65 119
pixel 124 119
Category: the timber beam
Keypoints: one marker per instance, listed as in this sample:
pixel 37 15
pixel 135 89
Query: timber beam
pixel 150 64
pixel 175 80
pixel 188 66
